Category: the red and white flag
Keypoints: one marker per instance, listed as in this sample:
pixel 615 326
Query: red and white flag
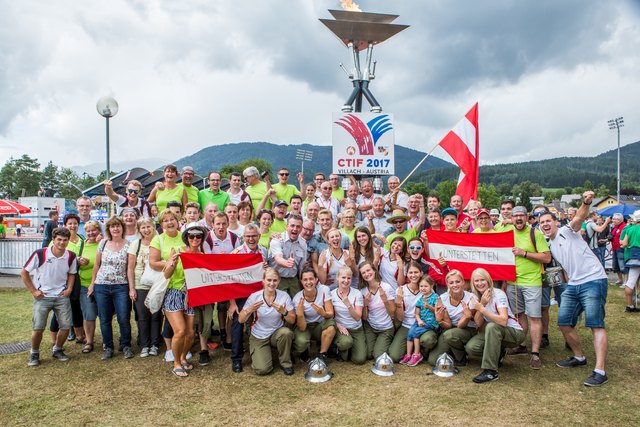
pixel 468 251
pixel 220 277
pixel 462 143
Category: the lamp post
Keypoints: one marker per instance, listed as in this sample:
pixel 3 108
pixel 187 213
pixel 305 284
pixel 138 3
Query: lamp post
pixel 304 155
pixel 107 107
pixel 617 124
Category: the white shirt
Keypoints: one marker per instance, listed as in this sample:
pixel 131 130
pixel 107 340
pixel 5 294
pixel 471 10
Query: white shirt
pixel 377 316
pixel 237 198
pixel 266 319
pixel 332 265
pixel 455 311
pixel 388 270
pixel 143 212
pixel 409 300
pixel 51 277
pixel 310 314
pixel 220 246
pixel 499 300
pixel 574 255
pixel 342 314
pixel 402 200
pixel 332 204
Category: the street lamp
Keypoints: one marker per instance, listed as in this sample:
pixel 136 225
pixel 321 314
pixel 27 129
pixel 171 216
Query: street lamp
pixel 107 107
pixel 617 124
pixel 304 155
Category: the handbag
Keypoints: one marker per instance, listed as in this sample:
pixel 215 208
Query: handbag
pixel 155 297
pixel 149 275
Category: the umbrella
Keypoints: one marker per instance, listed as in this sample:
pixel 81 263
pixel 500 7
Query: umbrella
pixel 9 208
pixel 623 209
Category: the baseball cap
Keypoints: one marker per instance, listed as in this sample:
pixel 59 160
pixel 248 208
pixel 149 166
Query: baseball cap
pixel 482 211
pixel 280 202
pixel 519 210
pixel 494 211
pixel 188 169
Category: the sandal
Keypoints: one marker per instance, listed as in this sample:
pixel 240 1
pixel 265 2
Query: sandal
pixel 81 340
pixel 187 366
pixel 87 348
pixel 179 372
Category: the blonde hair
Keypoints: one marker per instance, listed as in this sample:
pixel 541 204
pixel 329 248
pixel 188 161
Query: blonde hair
pixel 94 224
pixel 482 274
pixel 142 221
pixel 270 270
pixel 168 212
pixel 453 273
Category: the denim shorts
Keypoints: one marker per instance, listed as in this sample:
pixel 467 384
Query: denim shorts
pixel 557 291
pixel 618 262
pixel 61 306
pixel 176 300
pixel 589 298
pixel 416 331
pixel 89 309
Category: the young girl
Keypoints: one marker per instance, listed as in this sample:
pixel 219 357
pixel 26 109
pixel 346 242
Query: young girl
pixel 406 298
pixel 425 321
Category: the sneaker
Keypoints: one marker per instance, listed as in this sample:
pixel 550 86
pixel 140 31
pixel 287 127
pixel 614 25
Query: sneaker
pixel 204 358
pixel 405 359
pixel 34 359
pixel 107 353
pixel 59 354
pixel 304 356
pixel 596 380
pixel 189 355
pixel 144 352
pixel 236 366
pixel 323 357
pixel 128 352
pixel 168 356
pixel 486 376
pixel 629 309
pixel 535 362
pixel 572 362
pixel 503 354
pixel 288 371
pixel 517 351
pixel 226 346
pixel 544 343
pixel 72 335
pixel 153 351
pixel 415 359
pixel 462 362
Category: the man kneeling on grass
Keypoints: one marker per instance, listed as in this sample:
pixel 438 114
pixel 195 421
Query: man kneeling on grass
pixel 53 271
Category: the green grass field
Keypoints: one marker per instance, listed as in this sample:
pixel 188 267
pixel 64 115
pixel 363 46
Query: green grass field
pixel 88 391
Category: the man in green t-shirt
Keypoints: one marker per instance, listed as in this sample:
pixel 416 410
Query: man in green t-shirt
pixel 531 251
pixel 187 184
pixel 399 222
pixel 3 229
pixel 213 194
pixel 284 190
pixel 257 189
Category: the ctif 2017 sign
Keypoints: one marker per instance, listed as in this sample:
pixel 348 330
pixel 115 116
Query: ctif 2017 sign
pixel 363 144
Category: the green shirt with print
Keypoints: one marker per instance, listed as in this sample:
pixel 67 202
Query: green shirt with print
pixel 529 272
pixel 177 278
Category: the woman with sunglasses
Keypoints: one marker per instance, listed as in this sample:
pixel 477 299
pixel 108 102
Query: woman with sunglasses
pixel 392 262
pixel 168 190
pixel 265 219
pixel 437 269
pixel 131 199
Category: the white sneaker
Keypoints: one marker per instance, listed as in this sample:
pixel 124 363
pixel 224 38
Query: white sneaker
pixel 189 355
pixel 168 356
pixel 153 351
pixel 144 352
pixel 553 302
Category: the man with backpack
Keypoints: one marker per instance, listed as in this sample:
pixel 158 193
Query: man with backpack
pixel 132 199
pixel 49 275
pixel 591 230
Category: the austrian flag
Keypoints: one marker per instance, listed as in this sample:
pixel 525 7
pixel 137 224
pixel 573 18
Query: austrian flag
pixel 221 277
pixel 468 251
pixel 462 143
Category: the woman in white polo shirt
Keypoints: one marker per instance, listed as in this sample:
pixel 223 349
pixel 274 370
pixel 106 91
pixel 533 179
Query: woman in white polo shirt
pixel 347 306
pixel 379 308
pixel 314 316
pixel 498 328
pixel 270 308
pixel 456 320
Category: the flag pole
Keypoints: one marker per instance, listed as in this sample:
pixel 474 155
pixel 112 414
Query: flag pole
pixel 419 163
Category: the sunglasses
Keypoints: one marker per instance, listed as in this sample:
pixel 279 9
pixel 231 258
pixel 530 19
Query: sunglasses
pixel 415 248
pixel 132 191
pixel 284 174
pixel 399 221
pixel 194 236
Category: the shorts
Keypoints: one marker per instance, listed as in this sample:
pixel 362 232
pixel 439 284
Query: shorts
pixel 557 291
pixel 89 308
pixel 175 300
pixel 618 262
pixel 61 306
pixel 589 297
pixel 415 332
pixel 529 299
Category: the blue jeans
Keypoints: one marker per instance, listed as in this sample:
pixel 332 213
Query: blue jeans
pixel 109 297
pixel 589 297
pixel 599 252
pixel 557 291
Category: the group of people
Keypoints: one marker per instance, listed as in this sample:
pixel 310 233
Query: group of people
pixel 349 270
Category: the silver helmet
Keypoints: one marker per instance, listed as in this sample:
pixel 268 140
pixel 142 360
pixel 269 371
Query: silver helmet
pixel 383 366
pixel 445 366
pixel 318 371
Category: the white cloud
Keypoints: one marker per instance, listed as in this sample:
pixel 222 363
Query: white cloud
pixel 197 73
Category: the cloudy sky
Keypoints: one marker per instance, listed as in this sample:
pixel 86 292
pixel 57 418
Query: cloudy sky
pixel 190 74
